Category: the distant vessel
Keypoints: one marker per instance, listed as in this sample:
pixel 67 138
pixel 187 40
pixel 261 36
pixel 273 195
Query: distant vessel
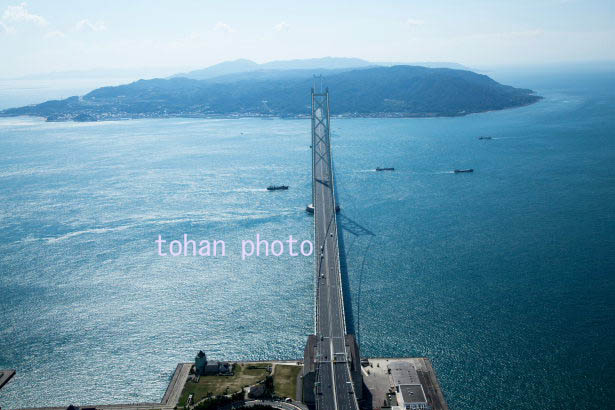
pixel 459 171
pixel 485 138
pixel 276 187
pixel 385 169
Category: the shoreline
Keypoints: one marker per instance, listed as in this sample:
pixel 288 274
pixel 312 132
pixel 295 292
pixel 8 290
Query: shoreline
pixel 102 117
pixel 179 378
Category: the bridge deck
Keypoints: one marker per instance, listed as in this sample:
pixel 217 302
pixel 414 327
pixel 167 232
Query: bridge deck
pixel 334 388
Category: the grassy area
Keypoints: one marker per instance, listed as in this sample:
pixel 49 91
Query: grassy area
pixel 285 380
pixel 225 384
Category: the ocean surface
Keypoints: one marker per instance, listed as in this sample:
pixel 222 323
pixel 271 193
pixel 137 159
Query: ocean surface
pixel 504 278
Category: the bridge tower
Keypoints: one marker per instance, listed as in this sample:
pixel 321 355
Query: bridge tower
pixel 332 364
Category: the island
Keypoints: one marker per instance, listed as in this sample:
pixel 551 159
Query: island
pixel 396 91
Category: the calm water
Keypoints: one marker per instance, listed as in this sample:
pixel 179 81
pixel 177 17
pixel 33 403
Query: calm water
pixel 503 277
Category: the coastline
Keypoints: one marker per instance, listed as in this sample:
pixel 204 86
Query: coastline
pixel 229 116
pixel 375 379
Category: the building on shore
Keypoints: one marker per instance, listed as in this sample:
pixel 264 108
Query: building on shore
pixel 409 390
pixel 205 367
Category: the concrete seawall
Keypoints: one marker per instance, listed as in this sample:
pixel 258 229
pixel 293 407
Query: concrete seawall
pixel 174 390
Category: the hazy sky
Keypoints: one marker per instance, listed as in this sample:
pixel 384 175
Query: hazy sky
pixel 45 36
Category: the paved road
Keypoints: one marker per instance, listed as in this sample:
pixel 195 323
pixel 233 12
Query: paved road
pixel 278 404
pixel 334 390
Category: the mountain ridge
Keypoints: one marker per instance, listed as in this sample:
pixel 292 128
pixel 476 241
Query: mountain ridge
pixel 245 66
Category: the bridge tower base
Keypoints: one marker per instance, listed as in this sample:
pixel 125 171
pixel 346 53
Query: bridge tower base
pixel 308 376
pixel 355 365
pixel 310 360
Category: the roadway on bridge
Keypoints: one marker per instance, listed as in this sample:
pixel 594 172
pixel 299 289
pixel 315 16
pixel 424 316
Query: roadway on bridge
pixel 334 389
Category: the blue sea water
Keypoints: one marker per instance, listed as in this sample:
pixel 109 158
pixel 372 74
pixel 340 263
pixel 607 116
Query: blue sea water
pixel 503 277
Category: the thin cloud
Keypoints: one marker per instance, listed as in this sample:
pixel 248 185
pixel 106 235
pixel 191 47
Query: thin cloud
pixel 508 35
pixel 55 34
pixel 523 34
pixel 220 26
pixel 20 14
pixel 6 29
pixel 86 24
pixel 414 22
pixel 283 26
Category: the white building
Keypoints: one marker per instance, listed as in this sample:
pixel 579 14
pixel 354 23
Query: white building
pixel 409 391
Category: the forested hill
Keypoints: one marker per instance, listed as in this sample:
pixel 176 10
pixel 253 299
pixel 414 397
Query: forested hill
pixel 403 91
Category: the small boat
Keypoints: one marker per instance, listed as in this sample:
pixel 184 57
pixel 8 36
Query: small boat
pixel 459 171
pixel 385 169
pixel 276 187
pixel 485 138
